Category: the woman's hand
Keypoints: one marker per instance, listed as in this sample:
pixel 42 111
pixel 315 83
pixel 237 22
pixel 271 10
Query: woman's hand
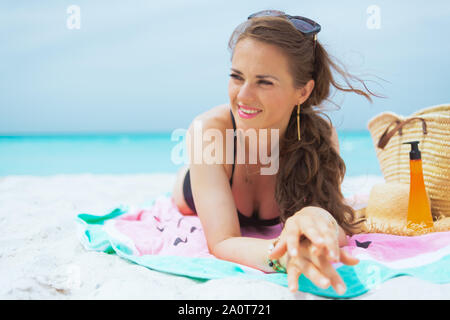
pixel 314 254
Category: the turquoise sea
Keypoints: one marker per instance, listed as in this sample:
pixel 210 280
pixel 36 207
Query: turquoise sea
pixel 44 155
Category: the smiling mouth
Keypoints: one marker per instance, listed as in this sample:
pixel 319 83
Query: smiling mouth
pixel 248 110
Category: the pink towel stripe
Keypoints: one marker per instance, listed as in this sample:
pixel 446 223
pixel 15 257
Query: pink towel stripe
pixel 402 247
pixel 163 230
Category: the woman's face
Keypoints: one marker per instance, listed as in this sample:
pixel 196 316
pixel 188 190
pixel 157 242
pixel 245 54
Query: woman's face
pixel 260 81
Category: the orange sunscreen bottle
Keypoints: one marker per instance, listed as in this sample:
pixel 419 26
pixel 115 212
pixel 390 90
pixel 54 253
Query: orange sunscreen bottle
pixel 419 210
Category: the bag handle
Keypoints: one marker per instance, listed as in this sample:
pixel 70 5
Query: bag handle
pixel 386 136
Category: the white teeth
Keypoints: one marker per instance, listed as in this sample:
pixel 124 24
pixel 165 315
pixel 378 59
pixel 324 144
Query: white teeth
pixel 249 111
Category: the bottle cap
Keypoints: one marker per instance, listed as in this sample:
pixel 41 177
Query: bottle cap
pixel 415 152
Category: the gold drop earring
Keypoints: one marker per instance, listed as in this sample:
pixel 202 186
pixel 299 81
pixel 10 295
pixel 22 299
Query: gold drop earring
pixel 298 121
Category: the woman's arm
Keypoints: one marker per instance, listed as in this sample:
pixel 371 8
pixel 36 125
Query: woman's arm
pixel 218 215
pixel 251 252
pixel 217 211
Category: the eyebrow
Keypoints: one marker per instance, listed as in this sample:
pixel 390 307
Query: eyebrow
pixel 259 76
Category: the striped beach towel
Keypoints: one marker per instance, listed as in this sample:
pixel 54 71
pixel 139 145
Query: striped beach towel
pixel 159 237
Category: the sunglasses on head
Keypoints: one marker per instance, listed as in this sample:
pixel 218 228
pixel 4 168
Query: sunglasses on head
pixel 304 25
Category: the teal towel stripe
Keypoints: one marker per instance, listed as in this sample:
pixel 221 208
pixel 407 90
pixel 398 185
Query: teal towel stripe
pixel 359 279
pixel 92 219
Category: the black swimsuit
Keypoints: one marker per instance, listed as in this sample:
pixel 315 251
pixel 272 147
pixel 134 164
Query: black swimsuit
pixel 243 220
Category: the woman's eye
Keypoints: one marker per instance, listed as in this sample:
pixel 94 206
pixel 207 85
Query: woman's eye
pixel 235 76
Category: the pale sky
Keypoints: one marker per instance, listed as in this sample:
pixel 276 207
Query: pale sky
pixel 146 66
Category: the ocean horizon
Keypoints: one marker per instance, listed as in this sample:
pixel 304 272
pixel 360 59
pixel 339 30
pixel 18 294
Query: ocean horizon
pixel 46 154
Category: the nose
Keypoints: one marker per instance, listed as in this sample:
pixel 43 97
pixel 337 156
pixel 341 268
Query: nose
pixel 246 94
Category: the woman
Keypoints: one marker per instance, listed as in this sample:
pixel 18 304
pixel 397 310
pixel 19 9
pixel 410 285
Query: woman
pixel 280 74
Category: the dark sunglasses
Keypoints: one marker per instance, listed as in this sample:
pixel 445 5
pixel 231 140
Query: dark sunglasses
pixel 304 25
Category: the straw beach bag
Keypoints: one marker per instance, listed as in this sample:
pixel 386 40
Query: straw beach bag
pixel 429 126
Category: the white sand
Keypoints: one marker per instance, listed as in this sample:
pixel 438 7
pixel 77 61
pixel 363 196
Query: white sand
pixel 41 257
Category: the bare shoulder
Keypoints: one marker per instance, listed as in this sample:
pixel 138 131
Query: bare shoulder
pixel 217 117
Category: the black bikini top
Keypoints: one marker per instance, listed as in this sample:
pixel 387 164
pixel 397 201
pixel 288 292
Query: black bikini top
pixel 243 219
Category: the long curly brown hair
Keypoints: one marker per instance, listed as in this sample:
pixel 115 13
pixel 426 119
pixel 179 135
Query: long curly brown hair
pixel 310 171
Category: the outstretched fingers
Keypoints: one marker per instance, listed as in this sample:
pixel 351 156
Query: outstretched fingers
pixel 327 276
pixel 289 241
pixel 291 235
pixel 330 272
pixel 299 266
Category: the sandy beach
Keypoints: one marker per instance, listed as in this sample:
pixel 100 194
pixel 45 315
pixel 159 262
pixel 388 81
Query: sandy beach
pixel 42 258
